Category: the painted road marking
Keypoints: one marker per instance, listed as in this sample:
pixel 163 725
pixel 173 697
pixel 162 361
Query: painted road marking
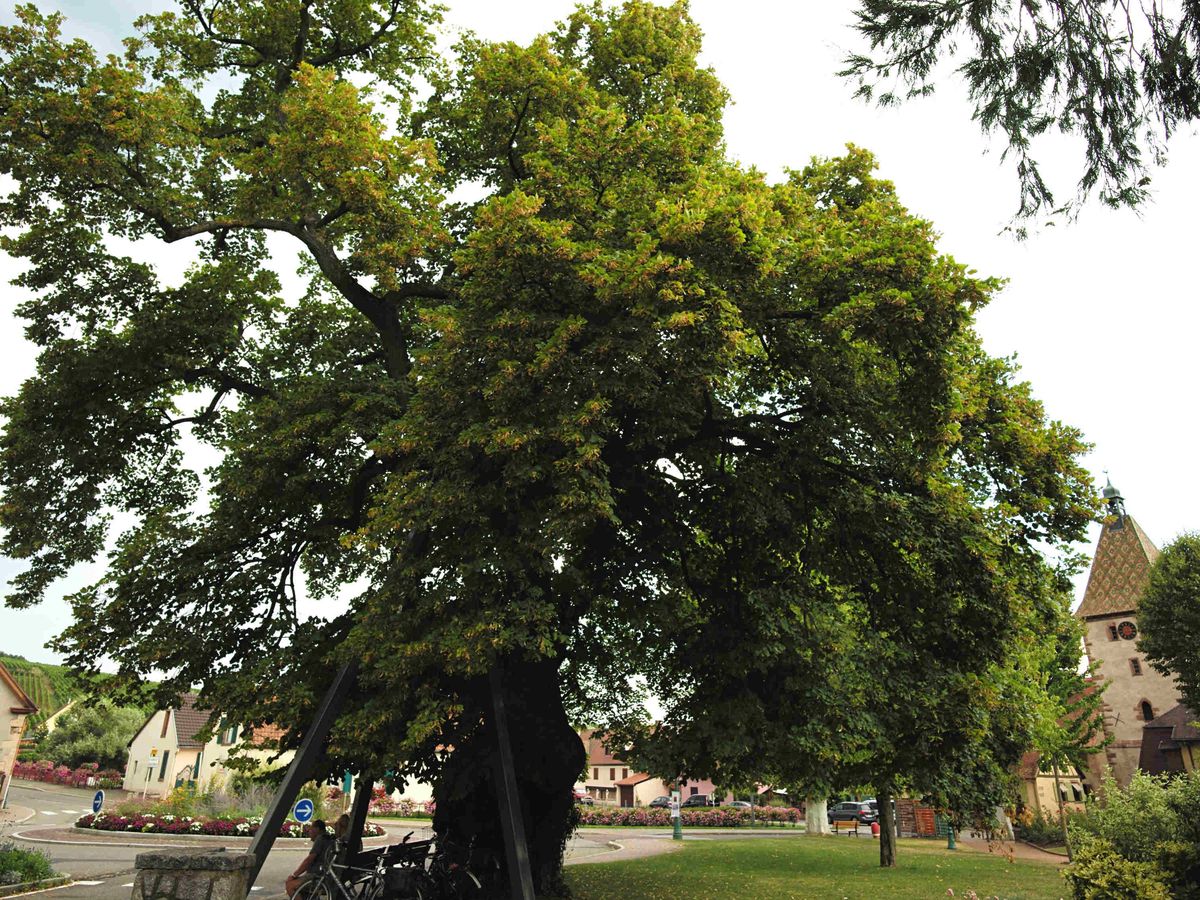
pixel 71 812
pixel 131 885
pixel 256 889
pixel 90 883
pixel 49 812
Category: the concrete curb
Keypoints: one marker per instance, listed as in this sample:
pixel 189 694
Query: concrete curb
pixel 22 821
pixel 160 840
pixel 32 887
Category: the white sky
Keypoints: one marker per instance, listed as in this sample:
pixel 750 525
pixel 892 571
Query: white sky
pixel 1102 314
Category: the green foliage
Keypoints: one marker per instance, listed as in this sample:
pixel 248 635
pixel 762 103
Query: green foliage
pixel 19 865
pixel 1169 616
pixel 1039 828
pixel 1101 872
pixel 1151 825
pixel 622 412
pixel 1121 76
pixel 92 733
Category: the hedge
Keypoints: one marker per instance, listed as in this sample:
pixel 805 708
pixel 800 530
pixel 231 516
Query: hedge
pixel 240 826
pixel 709 817
pixel 44 770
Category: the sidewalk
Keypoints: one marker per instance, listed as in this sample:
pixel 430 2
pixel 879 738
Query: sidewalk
pixel 1011 850
pixel 57 834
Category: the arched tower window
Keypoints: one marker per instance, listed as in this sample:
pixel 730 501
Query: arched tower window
pixel 1147 711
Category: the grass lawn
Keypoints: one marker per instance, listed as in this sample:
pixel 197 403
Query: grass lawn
pixel 816 867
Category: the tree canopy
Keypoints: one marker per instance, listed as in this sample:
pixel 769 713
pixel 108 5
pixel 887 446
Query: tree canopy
pixel 1120 76
pixel 570 393
pixel 92 733
pixel 1169 616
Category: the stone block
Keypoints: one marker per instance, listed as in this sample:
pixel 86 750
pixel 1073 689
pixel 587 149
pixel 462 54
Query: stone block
pixel 193 875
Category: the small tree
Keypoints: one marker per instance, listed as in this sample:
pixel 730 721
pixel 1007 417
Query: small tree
pixel 1169 616
pixel 92 733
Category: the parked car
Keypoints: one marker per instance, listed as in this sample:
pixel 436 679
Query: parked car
pixel 582 797
pixel 697 800
pixel 738 804
pixel 660 803
pixel 852 811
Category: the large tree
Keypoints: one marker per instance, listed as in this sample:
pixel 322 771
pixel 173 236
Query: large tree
pixel 571 396
pixel 1121 76
pixel 92 733
pixel 1169 616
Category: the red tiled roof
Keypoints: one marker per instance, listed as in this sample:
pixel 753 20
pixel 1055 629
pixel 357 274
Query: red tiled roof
pixel 1120 569
pixel 597 753
pixel 635 778
pixel 264 733
pixel 189 720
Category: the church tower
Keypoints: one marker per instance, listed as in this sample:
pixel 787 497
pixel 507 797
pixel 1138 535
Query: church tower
pixel 1136 692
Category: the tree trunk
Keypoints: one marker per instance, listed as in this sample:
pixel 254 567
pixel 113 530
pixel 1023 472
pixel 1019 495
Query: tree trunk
pixel 815 813
pixel 1062 814
pixel 887 830
pixel 549 758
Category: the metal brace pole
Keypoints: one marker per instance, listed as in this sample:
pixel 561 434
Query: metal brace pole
pixel 516 850
pixel 358 814
pixel 302 767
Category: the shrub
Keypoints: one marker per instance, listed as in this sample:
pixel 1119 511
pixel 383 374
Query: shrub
pixel 1151 823
pixel 85 776
pixel 18 865
pixel 1101 872
pixel 1038 828
pixel 709 817
pixel 154 823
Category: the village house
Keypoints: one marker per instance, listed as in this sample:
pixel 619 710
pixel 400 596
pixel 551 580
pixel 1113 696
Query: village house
pixel 19 707
pixel 1171 743
pixel 612 781
pixel 167 750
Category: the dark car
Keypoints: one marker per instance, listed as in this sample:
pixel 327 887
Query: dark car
pixel 852 811
pixel 660 803
pixel 738 804
pixel 697 800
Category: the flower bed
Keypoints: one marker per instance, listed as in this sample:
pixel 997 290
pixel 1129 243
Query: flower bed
pixel 44 770
pixel 383 805
pixel 711 817
pixel 240 826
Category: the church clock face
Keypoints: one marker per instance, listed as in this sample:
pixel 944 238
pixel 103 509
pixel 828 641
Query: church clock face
pixel 1127 631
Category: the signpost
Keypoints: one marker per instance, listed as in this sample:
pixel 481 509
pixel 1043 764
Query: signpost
pixel 303 810
pixel 676 819
pixel 98 802
pixel 150 764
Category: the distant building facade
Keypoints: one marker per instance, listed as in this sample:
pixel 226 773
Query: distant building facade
pixel 17 707
pixel 167 750
pixel 1137 694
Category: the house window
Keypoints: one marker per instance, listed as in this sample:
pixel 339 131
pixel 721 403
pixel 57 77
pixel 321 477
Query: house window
pixel 1077 792
pixel 1112 632
pixel 1135 667
pixel 1062 792
pixel 1147 711
pixel 135 762
pixel 166 722
pixel 695 791
pixel 624 773
pixel 227 734
pixel 612 774
pixel 595 773
pixel 162 772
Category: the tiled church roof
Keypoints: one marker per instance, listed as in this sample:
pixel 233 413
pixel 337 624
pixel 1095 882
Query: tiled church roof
pixel 1120 569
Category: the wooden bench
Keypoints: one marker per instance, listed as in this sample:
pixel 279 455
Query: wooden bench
pixel 850 826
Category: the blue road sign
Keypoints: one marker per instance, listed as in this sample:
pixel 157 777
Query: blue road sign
pixel 303 810
pixel 98 802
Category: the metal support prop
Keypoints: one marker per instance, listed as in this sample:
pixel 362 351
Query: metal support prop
pixel 516 851
pixel 358 814
pixel 301 768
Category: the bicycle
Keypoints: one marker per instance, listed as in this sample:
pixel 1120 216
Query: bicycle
pixel 342 881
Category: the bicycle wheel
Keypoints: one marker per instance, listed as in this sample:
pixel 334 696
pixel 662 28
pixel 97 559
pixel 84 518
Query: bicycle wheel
pixel 316 889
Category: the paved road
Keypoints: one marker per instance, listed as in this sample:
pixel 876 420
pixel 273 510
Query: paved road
pixel 103 870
